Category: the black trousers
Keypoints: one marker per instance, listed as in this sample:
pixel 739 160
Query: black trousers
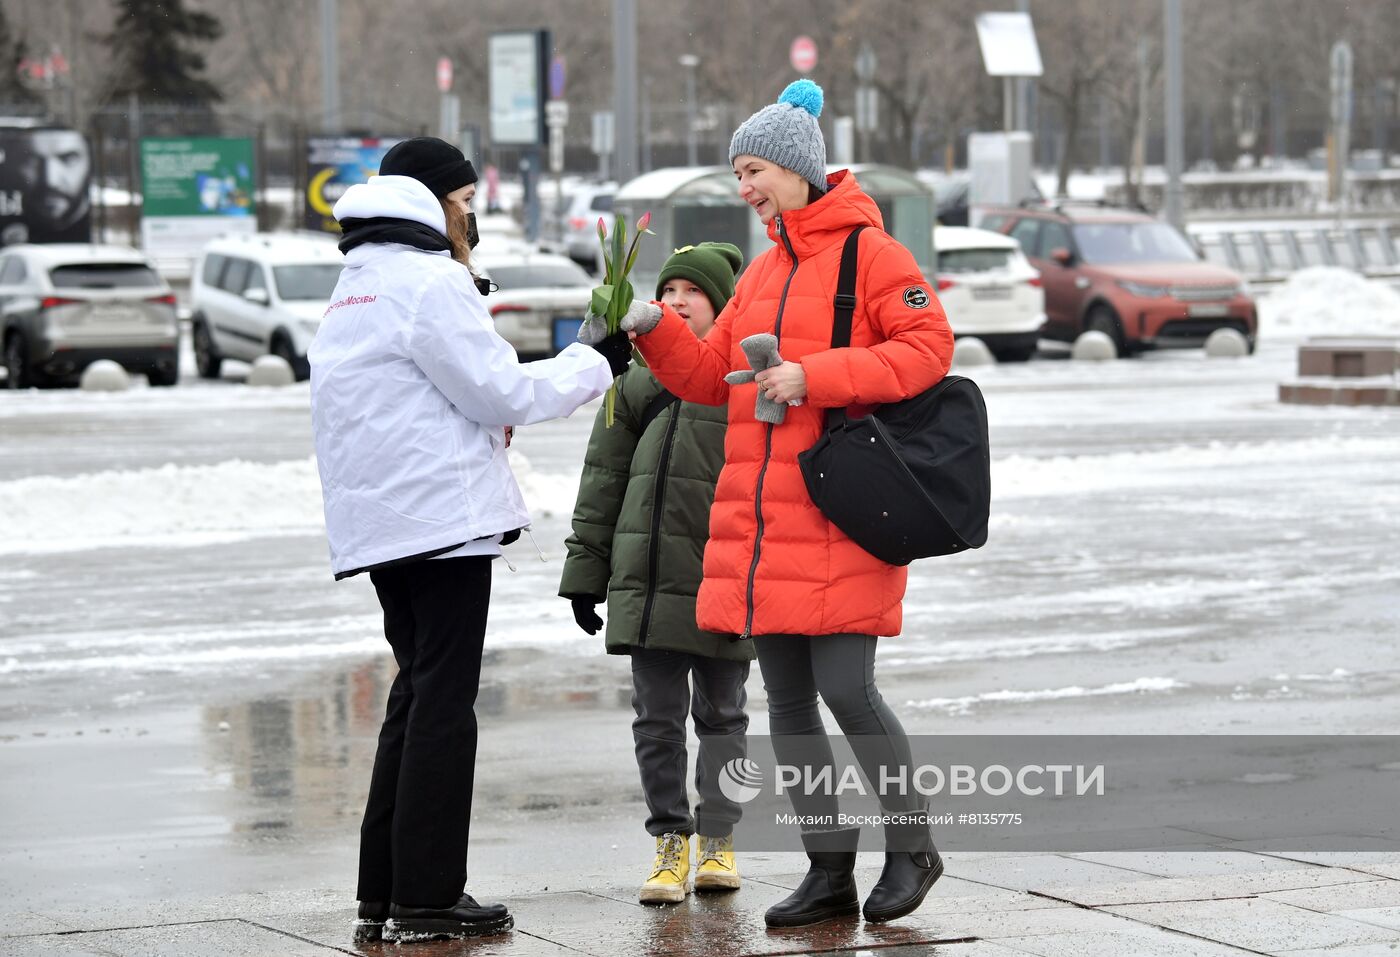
pixel 661 697
pixel 413 842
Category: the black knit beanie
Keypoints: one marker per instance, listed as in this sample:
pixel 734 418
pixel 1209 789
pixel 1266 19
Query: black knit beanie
pixel 435 163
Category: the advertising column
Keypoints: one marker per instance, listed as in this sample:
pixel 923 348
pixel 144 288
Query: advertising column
pixel 194 189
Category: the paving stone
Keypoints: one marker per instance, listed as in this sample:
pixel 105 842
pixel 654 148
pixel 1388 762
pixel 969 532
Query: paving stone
pixel 1042 871
pixel 26 923
pixel 334 930
pixel 1022 923
pixel 1342 896
pixel 1205 888
pixel 1358 950
pixel 1259 924
pixel 1140 942
pixel 228 938
pixel 1192 863
pixel 1381 916
pixel 52 946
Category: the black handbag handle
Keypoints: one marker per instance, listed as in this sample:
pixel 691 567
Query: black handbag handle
pixel 844 309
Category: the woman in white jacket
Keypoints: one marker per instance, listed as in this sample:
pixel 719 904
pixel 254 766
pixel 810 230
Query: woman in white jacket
pixel 412 394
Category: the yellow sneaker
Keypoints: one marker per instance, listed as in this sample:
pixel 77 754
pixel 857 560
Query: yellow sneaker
pixel 715 869
pixel 670 872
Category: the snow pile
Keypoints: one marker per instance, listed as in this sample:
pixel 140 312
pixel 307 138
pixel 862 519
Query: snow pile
pixel 197 504
pixel 1326 300
pixel 965 704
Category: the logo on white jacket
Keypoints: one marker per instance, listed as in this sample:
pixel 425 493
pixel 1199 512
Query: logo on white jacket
pixel 916 297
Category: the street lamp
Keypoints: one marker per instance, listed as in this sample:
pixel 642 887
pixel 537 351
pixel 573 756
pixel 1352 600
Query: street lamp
pixel 690 61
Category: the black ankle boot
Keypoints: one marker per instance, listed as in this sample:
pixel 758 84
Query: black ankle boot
pixel 912 865
pixel 829 889
pixel 369 921
pixel 466 918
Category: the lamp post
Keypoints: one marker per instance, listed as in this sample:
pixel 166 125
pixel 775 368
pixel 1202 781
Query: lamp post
pixel 690 61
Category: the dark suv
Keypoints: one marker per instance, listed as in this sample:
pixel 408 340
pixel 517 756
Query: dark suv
pixel 1126 274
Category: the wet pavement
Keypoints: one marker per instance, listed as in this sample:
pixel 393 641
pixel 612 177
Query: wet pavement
pixel 188 709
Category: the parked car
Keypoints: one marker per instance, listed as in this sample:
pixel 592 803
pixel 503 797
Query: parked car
pixel 1120 271
pixel 540 301
pixel 580 223
pixel 259 294
pixel 66 305
pixel 989 290
pixel 952 196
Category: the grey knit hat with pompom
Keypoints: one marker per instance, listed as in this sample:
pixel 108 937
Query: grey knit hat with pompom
pixel 787 133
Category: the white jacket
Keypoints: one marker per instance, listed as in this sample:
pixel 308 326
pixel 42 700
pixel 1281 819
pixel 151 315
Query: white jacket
pixel 411 388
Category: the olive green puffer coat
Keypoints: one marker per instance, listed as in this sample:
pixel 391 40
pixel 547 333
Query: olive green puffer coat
pixel 642 518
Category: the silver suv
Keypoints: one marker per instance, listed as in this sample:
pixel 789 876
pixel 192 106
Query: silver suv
pixel 260 294
pixel 63 306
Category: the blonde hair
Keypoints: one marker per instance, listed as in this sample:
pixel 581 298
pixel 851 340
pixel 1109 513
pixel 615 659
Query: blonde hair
pixel 457 232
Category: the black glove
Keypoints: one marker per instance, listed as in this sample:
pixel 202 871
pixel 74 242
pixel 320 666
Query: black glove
pixel 586 617
pixel 617 349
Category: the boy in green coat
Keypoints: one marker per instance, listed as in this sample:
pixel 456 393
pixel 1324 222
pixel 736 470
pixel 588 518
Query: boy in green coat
pixel 640 527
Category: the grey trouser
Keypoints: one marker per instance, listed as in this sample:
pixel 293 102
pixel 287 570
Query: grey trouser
pixel 661 696
pixel 841 669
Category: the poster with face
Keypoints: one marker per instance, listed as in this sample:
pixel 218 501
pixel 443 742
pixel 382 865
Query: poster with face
pixel 45 180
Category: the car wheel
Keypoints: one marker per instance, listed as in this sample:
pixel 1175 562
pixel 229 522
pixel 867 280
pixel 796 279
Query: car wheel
pixel 1105 320
pixel 282 348
pixel 16 363
pixel 206 354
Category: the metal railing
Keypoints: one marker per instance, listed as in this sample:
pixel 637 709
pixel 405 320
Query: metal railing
pixel 1270 253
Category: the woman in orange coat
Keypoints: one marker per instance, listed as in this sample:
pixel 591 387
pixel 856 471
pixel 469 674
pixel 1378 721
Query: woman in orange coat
pixel 776 570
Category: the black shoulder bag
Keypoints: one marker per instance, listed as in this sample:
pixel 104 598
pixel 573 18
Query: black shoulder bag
pixel 913 479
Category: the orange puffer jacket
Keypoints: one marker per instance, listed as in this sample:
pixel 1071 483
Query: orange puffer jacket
pixel 774 564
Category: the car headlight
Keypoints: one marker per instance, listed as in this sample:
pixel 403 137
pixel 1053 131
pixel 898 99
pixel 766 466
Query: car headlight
pixel 1142 289
pixel 309 326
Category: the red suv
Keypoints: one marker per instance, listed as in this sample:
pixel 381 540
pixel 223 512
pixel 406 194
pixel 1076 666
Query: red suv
pixel 1126 274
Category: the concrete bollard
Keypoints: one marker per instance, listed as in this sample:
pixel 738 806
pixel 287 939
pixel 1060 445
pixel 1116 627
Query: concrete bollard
pixel 1094 346
pixel 270 371
pixel 969 351
pixel 1227 344
pixel 104 375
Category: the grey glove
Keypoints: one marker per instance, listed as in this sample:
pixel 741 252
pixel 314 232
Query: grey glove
pixel 641 317
pixel 593 331
pixel 762 353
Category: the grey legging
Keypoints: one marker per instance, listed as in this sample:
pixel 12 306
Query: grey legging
pixel 840 668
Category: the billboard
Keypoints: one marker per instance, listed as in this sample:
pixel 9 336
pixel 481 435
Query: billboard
pixel 45 186
pixel 193 189
pixel 517 75
pixel 334 164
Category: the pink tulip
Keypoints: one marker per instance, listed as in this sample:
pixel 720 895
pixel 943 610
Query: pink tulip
pixel 644 221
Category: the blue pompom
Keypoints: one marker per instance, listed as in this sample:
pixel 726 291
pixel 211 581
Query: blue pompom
pixel 804 94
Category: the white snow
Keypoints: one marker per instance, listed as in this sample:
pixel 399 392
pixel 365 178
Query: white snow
pixel 966 703
pixel 1326 300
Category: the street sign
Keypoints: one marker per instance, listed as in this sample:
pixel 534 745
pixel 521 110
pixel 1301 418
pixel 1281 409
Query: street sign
pixel 556 114
pixel 603 132
pixel 865 63
pixel 803 54
pixel 1008 44
pixel 556 78
pixel 444 74
pixel 867 109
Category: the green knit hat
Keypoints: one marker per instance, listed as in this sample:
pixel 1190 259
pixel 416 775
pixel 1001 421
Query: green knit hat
pixel 711 266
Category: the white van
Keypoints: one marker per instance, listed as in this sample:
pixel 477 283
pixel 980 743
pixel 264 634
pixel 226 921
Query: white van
pixel 260 294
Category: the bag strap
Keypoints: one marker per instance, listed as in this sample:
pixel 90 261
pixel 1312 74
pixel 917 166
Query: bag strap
pixel 655 407
pixel 844 307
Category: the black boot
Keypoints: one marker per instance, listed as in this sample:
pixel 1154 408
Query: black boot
pixel 829 889
pixel 369 922
pixel 912 865
pixel 467 918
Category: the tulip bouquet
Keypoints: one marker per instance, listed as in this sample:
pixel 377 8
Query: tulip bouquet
pixel 612 299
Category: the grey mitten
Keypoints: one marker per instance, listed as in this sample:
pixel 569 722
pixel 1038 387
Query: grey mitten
pixel 641 318
pixel 762 353
pixel 593 331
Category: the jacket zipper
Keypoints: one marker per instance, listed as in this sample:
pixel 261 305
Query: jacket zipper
pixel 658 502
pixel 767 440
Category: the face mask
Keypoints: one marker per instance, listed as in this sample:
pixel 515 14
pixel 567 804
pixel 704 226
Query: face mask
pixel 473 237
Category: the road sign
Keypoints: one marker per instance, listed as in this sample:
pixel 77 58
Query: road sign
pixel 444 74
pixel 556 114
pixel 603 132
pixel 556 78
pixel 865 63
pixel 803 54
pixel 867 109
